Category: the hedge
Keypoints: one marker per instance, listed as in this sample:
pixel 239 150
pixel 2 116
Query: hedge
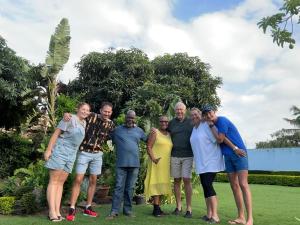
pixel 7 205
pixel 282 180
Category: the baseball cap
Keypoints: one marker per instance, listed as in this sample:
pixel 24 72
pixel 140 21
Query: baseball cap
pixel 207 108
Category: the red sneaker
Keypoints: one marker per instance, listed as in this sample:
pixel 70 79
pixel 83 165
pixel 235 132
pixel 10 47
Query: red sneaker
pixel 71 215
pixel 90 212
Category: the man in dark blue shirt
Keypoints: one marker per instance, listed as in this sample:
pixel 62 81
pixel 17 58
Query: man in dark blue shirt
pixel 236 162
pixel 126 139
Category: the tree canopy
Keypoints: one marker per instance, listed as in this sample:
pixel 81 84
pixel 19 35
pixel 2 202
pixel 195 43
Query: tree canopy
pixel 18 86
pixel 282 23
pixel 129 79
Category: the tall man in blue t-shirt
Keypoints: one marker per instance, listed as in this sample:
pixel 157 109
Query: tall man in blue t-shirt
pixel 236 162
pixel 126 139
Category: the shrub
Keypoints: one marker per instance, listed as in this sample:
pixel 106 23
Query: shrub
pixel 282 180
pixel 6 205
pixel 28 203
pixel 15 152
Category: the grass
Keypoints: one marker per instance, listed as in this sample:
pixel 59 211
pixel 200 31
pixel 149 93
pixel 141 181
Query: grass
pixel 274 205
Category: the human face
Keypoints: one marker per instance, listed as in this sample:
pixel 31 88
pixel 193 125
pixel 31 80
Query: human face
pixel 163 123
pixel 83 111
pixel 106 112
pixel 130 120
pixel 196 117
pixel 211 116
pixel 180 112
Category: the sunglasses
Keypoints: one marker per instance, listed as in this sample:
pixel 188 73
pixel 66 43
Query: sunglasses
pixel 164 121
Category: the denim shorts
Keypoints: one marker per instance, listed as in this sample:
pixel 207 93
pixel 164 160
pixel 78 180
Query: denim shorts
pixel 86 160
pixel 235 163
pixel 63 157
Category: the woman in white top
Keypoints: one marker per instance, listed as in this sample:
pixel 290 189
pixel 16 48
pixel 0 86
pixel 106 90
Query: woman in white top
pixel 208 161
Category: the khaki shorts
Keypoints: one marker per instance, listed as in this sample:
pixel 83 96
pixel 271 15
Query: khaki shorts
pixel 181 167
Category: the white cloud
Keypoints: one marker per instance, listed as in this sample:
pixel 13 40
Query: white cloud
pixel 260 79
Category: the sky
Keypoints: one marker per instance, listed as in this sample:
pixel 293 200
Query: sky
pixel 260 79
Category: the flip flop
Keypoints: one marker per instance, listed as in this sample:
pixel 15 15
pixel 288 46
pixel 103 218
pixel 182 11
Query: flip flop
pixel 54 219
pixel 236 222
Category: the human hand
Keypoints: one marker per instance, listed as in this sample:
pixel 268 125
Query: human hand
pixel 240 152
pixel 156 160
pixel 153 130
pixel 47 155
pixel 67 117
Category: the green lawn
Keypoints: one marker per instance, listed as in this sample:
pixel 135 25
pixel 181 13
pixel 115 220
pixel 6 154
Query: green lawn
pixel 274 205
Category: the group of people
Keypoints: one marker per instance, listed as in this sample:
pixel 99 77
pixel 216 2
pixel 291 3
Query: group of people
pixel 205 140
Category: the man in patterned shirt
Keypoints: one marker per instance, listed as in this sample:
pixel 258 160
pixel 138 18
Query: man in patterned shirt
pixel 97 131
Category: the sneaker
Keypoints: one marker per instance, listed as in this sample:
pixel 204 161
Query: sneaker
pixel 111 216
pixel 177 212
pixel 71 215
pixel 188 214
pixel 156 212
pixel 90 212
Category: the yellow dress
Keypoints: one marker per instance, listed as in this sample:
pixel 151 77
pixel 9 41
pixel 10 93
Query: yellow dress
pixel 157 180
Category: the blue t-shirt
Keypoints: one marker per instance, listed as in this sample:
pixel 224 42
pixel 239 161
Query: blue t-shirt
pixel 127 141
pixel 225 126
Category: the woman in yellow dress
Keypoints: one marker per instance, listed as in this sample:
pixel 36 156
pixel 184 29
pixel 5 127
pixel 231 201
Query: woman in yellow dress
pixel 157 182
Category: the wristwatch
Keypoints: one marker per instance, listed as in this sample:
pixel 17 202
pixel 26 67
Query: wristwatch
pixel 235 148
pixel 211 125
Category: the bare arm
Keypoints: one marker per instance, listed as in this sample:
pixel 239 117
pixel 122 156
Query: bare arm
pixel 219 136
pixel 51 144
pixel 150 143
pixel 236 150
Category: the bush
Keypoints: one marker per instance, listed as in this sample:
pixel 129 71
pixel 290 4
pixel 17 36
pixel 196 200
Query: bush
pixel 16 152
pixel 282 180
pixel 28 203
pixel 6 205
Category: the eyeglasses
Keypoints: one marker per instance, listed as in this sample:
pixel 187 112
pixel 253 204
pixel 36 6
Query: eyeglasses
pixel 164 121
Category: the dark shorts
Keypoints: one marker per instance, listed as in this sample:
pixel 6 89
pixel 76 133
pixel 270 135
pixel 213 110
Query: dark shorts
pixel 235 163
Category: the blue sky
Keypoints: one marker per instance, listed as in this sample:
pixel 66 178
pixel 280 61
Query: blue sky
pixel 186 10
pixel 260 79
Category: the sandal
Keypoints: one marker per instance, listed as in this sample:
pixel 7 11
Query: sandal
pixel 54 219
pixel 236 221
pixel 213 221
pixel 205 218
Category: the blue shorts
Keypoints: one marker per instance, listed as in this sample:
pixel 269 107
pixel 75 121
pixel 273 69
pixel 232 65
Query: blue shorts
pixel 63 157
pixel 235 163
pixel 93 161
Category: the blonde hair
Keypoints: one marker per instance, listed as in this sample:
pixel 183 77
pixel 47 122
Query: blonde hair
pixel 197 110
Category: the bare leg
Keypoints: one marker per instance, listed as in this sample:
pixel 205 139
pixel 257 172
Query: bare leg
pixel 243 181
pixel 177 190
pixel 213 203
pixel 62 178
pixel 188 193
pixel 51 191
pixel 156 200
pixel 91 188
pixel 208 208
pixel 76 189
pixel 238 196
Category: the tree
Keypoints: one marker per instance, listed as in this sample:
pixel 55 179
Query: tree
pixel 57 56
pixel 111 76
pixel 177 76
pixel 19 82
pixel 285 137
pixel 281 23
